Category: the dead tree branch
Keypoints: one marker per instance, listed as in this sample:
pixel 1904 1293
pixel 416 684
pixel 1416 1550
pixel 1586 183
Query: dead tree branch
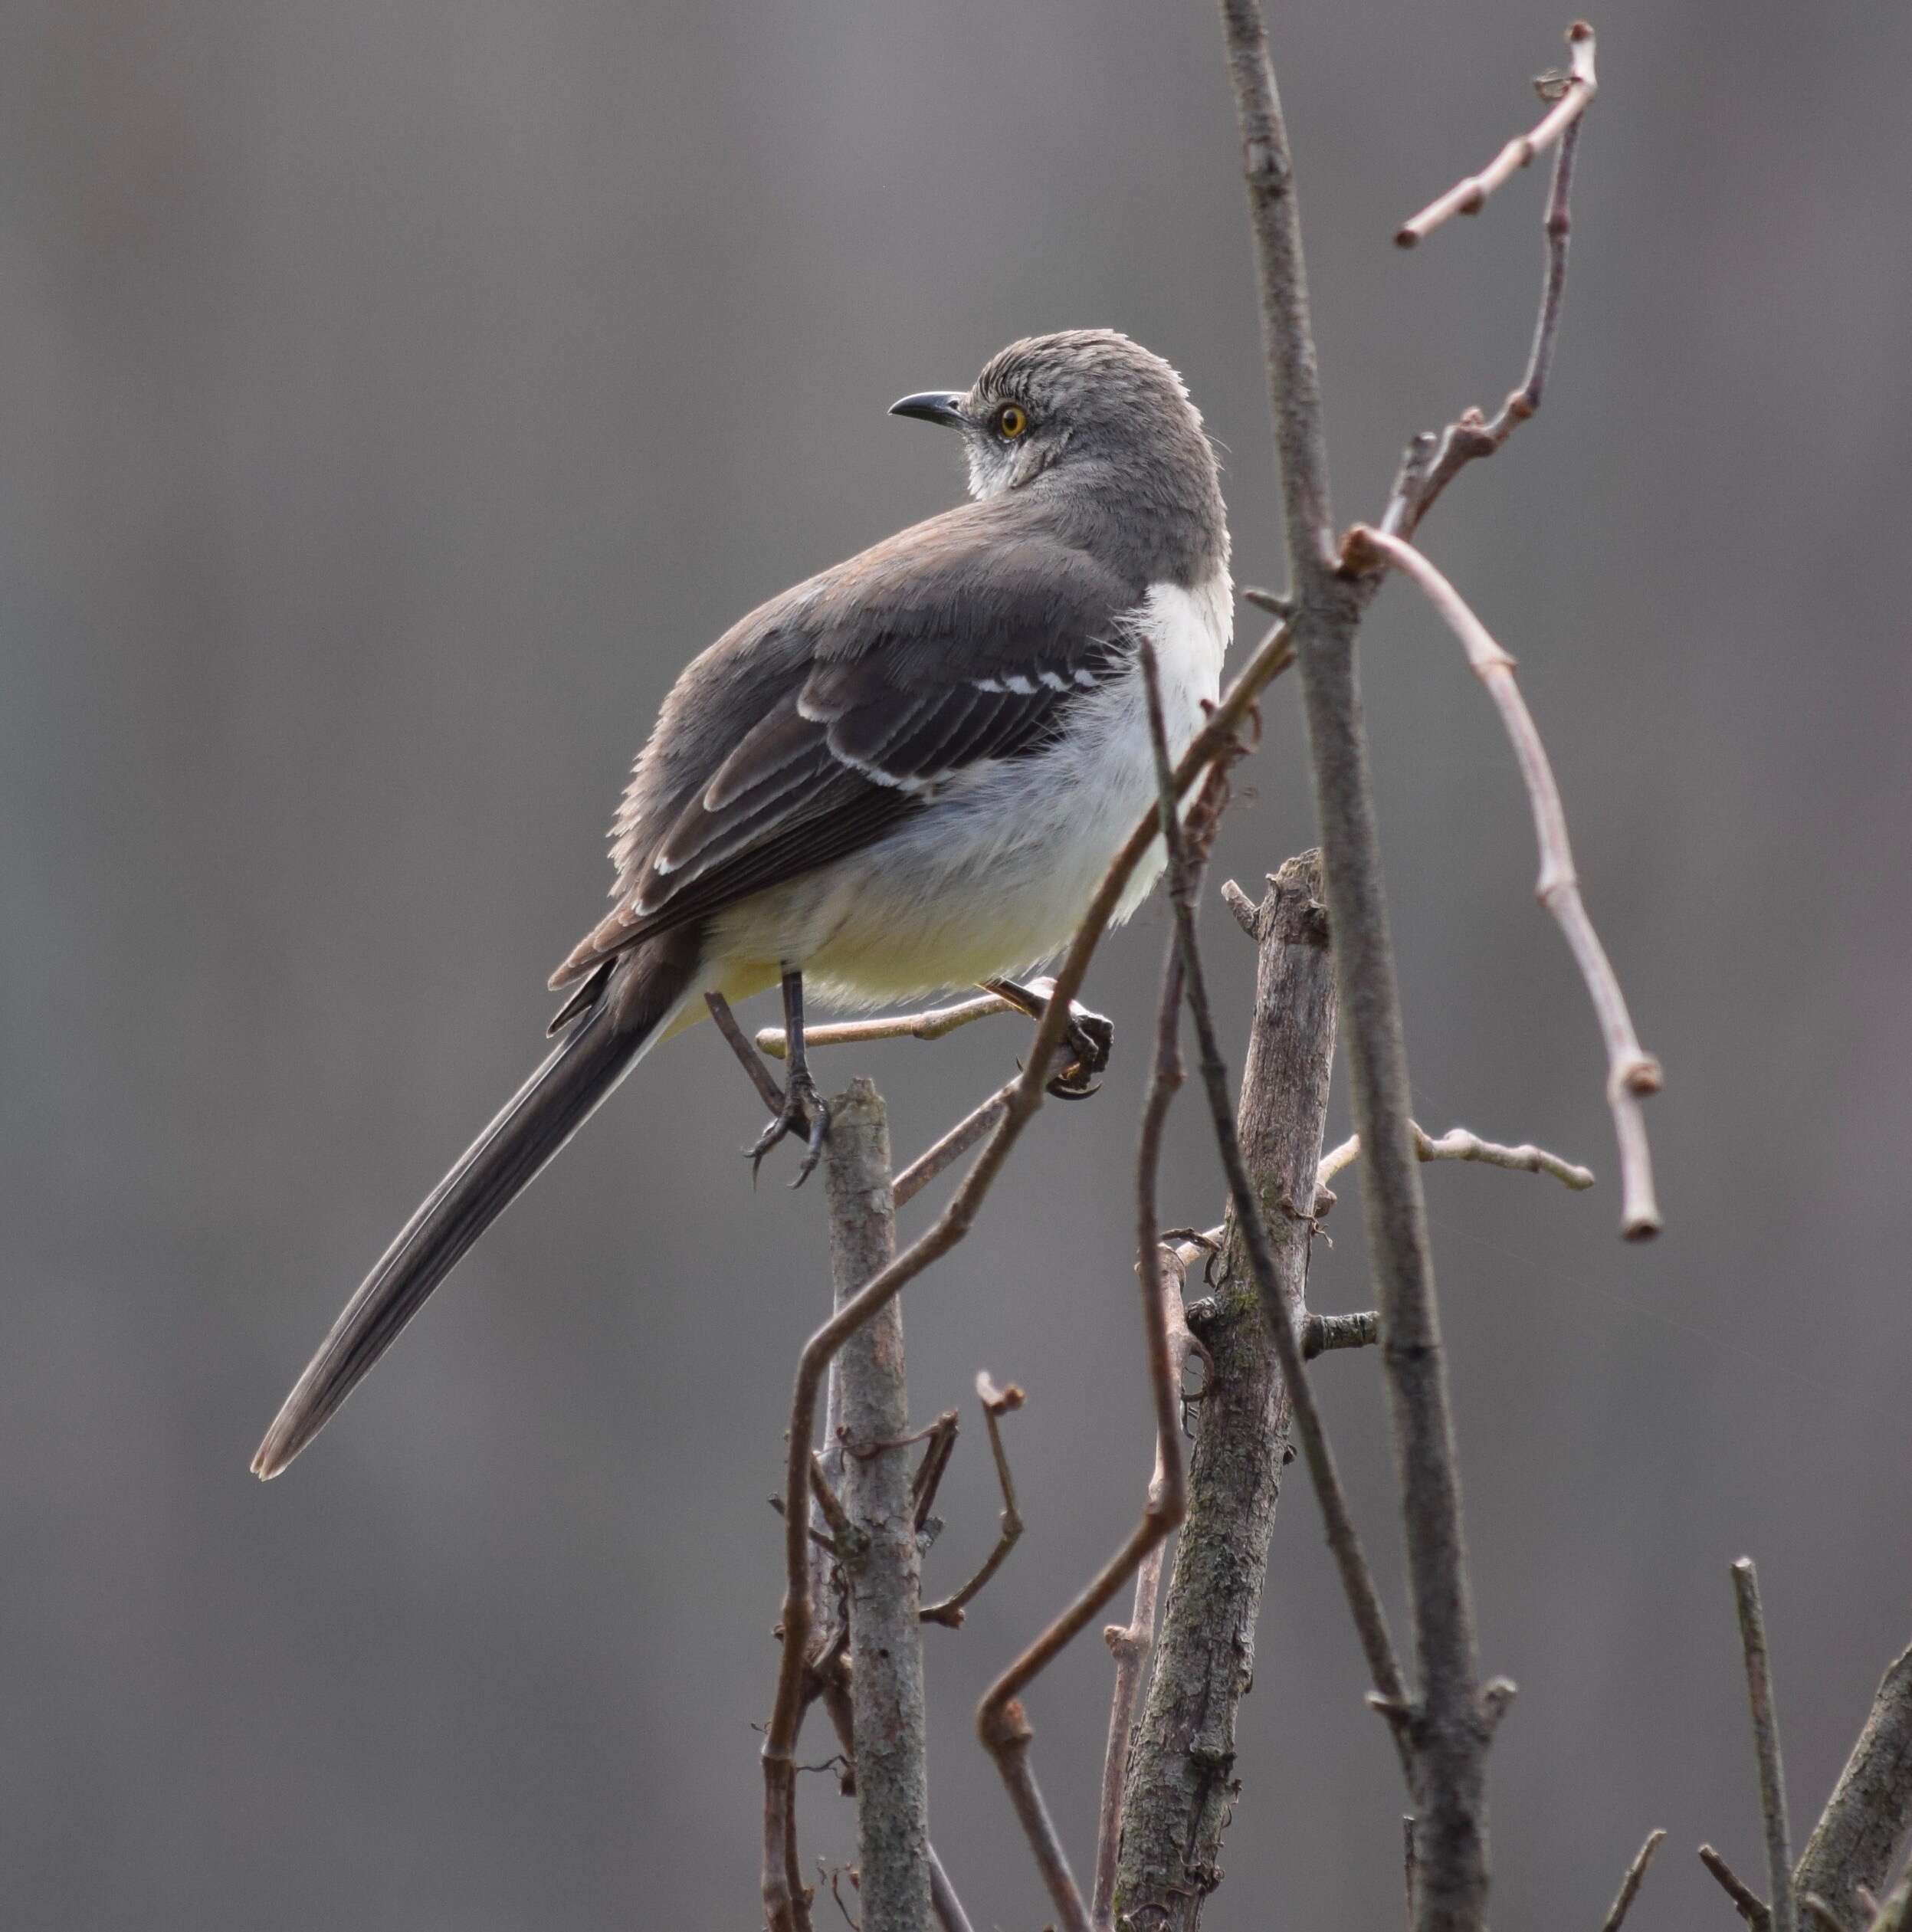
pixel 1469 196
pixel 1632 1073
pixel 1863 1828
pixel 877 1550
pixel 1180 1773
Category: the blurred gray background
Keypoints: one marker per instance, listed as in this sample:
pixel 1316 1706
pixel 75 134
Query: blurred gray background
pixel 391 399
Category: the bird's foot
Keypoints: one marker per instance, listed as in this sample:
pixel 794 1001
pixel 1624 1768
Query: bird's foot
pixel 806 1112
pixel 1089 1038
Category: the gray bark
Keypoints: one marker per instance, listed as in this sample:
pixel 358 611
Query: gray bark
pixel 1180 1780
pixel 1866 1820
pixel 879 1557
pixel 1448 1729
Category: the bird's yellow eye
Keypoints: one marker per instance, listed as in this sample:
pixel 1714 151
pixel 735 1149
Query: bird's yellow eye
pixel 1011 423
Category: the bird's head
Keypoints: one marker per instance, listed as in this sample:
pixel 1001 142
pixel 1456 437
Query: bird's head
pixel 1083 397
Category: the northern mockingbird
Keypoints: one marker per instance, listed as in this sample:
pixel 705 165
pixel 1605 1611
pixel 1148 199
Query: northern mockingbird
pixel 908 773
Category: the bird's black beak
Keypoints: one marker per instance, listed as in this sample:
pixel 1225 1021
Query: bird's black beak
pixel 934 405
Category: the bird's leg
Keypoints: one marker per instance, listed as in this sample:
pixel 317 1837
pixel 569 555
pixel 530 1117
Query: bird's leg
pixel 804 1110
pixel 1089 1035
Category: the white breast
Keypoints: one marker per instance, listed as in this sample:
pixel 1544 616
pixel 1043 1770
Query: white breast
pixel 995 876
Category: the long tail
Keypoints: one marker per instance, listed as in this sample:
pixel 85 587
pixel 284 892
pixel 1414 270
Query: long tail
pixel 494 1170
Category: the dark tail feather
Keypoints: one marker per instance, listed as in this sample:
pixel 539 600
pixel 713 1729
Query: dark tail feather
pixel 497 1167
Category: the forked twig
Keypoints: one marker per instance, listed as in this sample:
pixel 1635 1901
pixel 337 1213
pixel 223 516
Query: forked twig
pixel 1632 1072
pixel 996 1403
pixel 1431 463
pixel 1469 196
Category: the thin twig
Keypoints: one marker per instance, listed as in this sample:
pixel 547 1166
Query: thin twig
pixel 760 1077
pixel 1630 1884
pixel 1469 196
pixel 996 1403
pixel 783 1890
pixel 1001 1719
pixel 1766 1739
pixel 1357 1580
pixel 945 1153
pixel 1450 1739
pixel 1458 1144
pixel 1129 1644
pixel 931 1025
pixel 1632 1073
pixel 1750 1906
pixel 1864 1825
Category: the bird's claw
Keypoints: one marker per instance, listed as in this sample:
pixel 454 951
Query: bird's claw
pixel 804 1111
pixel 1090 1038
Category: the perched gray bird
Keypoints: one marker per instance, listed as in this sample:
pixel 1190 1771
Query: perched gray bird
pixel 908 773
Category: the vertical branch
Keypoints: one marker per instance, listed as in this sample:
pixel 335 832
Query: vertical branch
pixel 785 1907
pixel 1766 1739
pixel 1131 1644
pixel 1179 1780
pixel 1449 1731
pixel 878 1545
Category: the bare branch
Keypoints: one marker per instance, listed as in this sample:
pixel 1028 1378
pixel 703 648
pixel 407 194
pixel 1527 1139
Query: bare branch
pixel 1469 196
pixel 1765 1738
pixel 1001 1719
pixel 1750 1906
pixel 996 1403
pixel 1176 1795
pixel 877 1544
pixel 1129 1644
pixel 783 1890
pixel 1450 1746
pixel 1630 1884
pixel 1458 1144
pixel 954 1145
pixel 932 1024
pixel 1632 1071
pixel 1864 1826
